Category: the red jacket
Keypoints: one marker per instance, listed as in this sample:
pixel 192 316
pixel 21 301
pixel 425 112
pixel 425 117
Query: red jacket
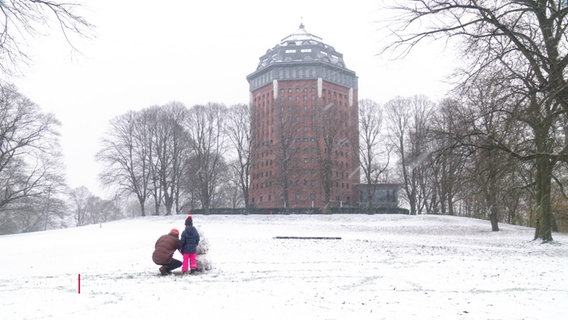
pixel 165 248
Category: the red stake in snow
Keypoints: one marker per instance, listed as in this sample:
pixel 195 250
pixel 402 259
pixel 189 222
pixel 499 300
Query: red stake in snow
pixel 79 283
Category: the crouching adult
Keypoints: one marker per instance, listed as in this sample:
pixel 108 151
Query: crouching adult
pixel 164 251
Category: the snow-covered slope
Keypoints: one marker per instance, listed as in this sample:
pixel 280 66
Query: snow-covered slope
pixel 382 267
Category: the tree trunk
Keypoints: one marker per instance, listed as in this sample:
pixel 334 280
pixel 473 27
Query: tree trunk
pixel 492 190
pixel 543 228
pixel 142 202
pixel 493 217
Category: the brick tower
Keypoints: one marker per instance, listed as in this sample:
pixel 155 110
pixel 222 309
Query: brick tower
pixel 304 126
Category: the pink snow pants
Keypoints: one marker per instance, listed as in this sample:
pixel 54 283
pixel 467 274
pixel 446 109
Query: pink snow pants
pixel 192 259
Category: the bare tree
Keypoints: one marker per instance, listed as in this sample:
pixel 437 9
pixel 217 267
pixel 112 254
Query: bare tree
pixel 374 153
pixel 408 118
pixel 169 148
pixel 524 43
pixel 90 209
pixel 150 121
pixel 228 193
pixel 99 210
pixel 126 155
pixel 238 131
pixel 450 157
pixel 28 143
pixel 51 208
pixel 30 159
pixel 22 18
pixel 180 152
pixel 80 197
pixel 38 213
pixel 491 167
pixel 205 131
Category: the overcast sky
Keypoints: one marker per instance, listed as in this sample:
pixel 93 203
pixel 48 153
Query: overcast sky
pixel 148 53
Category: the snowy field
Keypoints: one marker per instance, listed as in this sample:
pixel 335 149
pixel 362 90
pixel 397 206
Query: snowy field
pixel 383 267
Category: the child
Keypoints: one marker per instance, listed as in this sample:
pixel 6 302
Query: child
pixel 188 246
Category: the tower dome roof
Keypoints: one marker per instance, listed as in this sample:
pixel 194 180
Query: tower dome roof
pixel 301 46
pixel 302 56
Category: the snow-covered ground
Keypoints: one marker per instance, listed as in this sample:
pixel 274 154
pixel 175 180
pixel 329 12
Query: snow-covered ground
pixel 383 267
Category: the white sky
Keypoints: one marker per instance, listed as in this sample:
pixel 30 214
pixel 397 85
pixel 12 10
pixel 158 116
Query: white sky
pixel 147 53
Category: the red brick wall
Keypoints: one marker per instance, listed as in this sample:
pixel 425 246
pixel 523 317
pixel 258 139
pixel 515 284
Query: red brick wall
pixel 294 113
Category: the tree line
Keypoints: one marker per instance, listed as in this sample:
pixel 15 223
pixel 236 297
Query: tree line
pixel 173 158
pixel 33 192
pixel 512 89
pixel 494 148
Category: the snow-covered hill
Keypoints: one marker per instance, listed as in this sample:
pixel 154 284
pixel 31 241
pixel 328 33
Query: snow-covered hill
pixel 383 267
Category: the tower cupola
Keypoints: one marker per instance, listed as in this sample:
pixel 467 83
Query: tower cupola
pixel 302 55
